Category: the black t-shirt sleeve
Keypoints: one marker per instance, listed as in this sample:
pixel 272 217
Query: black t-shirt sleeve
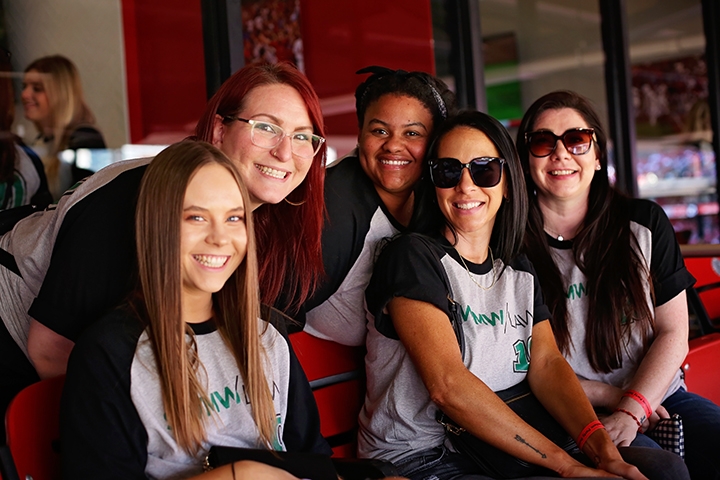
pixel 302 426
pixel 351 202
pixel 667 267
pixel 92 267
pixel 101 433
pixel 405 268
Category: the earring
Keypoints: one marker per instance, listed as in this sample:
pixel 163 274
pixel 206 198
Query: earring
pixel 293 203
pixel 598 167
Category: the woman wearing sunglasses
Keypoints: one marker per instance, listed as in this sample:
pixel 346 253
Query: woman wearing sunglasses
pixel 372 192
pixel 614 280
pixel 414 363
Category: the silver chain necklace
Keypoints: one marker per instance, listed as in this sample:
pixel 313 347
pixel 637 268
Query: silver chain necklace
pixel 492 260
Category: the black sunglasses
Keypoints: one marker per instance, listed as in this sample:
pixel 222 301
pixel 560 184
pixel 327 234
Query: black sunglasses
pixel 542 143
pixel 485 172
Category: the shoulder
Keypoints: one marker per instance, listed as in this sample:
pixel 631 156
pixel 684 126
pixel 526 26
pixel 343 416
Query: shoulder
pixel 523 264
pixel 347 185
pixel 111 340
pixel 120 325
pixel 110 187
pixel 85 136
pixel 415 242
pixel 646 213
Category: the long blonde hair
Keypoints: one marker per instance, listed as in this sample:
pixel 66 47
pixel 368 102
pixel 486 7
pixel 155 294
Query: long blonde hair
pixel 68 110
pixel 236 306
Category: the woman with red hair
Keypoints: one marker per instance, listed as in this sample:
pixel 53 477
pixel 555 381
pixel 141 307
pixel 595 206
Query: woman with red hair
pixel 266 104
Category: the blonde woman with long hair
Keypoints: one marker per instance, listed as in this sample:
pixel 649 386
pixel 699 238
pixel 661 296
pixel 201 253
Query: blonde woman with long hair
pixel 186 363
pixel 53 100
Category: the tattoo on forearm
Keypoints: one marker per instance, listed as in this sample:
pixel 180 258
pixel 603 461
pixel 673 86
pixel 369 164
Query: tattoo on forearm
pixel 522 440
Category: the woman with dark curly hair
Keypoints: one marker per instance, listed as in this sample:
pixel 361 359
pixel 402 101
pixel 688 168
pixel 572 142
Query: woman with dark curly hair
pixel 372 192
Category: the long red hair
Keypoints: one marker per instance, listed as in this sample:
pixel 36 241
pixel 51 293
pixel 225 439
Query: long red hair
pixel 288 235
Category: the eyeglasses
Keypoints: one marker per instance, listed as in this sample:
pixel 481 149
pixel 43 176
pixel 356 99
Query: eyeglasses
pixel 269 135
pixel 543 142
pixel 485 172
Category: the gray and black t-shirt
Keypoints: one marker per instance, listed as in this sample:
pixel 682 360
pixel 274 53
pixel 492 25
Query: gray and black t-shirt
pixel 112 418
pixel 662 256
pixel 398 418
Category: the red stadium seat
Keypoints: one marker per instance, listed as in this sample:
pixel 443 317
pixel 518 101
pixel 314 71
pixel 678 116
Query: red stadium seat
pixel 703 261
pixel 702 374
pixel 32 422
pixel 337 376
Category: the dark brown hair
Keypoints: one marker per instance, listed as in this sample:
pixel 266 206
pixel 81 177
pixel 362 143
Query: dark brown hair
pixel 616 296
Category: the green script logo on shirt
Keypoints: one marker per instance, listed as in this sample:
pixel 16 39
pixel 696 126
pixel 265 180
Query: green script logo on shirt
pixel 230 397
pixel 576 291
pixel 499 318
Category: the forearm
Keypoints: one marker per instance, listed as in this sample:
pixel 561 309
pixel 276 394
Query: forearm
pixel 502 428
pixel 664 357
pixel 48 351
pixel 658 368
pixel 601 395
pixel 557 387
pixel 245 470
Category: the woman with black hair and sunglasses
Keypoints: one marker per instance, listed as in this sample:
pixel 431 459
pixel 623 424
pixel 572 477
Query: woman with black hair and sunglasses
pixel 371 193
pixel 614 279
pixel 415 363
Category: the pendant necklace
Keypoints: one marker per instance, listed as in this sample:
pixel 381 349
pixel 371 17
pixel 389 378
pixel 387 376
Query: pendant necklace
pixel 492 260
pixel 559 237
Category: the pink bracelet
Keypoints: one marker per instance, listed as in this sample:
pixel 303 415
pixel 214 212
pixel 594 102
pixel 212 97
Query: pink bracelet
pixel 638 397
pixel 591 428
pixel 628 412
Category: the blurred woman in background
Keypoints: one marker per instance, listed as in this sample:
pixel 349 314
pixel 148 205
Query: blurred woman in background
pixel 53 99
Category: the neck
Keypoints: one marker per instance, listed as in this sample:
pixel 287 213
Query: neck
pixel 400 205
pixel 474 248
pixel 563 219
pixel 196 307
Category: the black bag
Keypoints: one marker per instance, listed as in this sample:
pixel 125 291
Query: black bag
pixel 493 461
pixel 303 465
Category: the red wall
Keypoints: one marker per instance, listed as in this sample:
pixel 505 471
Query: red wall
pixel 164 66
pixel 341 37
pixel 165 63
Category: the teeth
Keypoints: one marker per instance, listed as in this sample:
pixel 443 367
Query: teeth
pixel 271 171
pixel 557 173
pixel 396 163
pixel 468 206
pixel 211 261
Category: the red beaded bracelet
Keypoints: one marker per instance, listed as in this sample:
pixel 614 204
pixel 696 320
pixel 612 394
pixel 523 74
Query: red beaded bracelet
pixel 628 412
pixel 591 428
pixel 640 398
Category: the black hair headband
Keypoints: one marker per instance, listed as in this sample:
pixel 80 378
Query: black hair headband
pixel 380 72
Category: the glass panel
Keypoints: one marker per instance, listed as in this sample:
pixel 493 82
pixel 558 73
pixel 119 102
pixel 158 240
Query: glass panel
pixel 675 162
pixel 532 47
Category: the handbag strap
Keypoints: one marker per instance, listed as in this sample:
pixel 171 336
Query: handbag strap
pixel 8 261
pixel 455 320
